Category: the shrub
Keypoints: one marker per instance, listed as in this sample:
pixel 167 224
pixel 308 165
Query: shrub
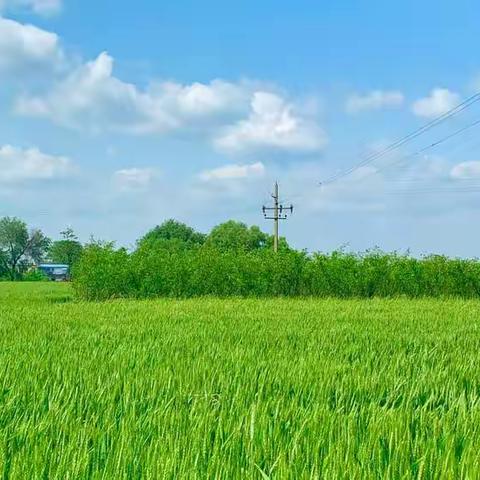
pixel 168 269
pixel 103 273
pixel 35 276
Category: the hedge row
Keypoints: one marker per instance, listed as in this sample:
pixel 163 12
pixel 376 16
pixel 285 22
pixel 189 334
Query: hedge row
pixel 105 272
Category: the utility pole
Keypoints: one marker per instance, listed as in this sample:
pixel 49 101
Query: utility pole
pixel 275 216
pixel 278 214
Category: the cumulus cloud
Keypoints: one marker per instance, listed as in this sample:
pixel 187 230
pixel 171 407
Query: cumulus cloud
pixel 18 165
pixel 93 98
pixel 26 47
pixel 228 172
pixel 465 170
pixel 273 123
pixel 440 101
pixel 133 179
pixel 375 100
pixel 199 100
pixel 90 97
pixel 41 7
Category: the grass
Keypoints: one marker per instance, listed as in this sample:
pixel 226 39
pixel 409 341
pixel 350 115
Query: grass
pixel 229 389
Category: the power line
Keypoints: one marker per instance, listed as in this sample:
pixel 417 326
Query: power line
pixel 407 138
pixel 433 190
pixel 428 147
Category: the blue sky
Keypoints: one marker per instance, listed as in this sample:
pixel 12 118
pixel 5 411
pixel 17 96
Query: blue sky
pixel 115 116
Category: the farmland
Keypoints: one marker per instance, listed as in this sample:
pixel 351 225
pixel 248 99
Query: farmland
pixel 237 388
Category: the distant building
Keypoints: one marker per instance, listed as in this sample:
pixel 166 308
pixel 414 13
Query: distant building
pixel 55 271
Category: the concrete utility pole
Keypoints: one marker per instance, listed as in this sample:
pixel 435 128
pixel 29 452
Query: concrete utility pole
pixel 278 214
pixel 275 216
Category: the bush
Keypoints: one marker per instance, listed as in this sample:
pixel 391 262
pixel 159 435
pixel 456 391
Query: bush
pixel 35 276
pixel 104 273
pixel 167 269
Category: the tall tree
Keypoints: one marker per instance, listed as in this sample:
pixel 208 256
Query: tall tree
pixel 68 250
pixel 174 232
pixel 236 236
pixel 19 247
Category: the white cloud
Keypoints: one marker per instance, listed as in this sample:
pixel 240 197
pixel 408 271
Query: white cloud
pixel 375 100
pixel 228 172
pixel 466 170
pixel 25 47
pixel 133 179
pixel 440 101
pixel 17 165
pixel 199 100
pixel 45 6
pixel 42 7
pixel 89 98
pixel 273 123
pixel 93 98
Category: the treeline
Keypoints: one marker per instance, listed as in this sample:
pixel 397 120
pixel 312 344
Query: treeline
pixel 233 260
pixel 22 248
pixel 174 260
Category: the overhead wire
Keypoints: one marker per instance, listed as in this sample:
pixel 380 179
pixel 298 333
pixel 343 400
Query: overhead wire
pixel 430 146
pixel 437 190
pixel 427 189
pixel 462 185
pixel 407 138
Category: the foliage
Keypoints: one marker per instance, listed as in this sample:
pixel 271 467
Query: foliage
pixel 35 276
pixel 378 274
pixel 173 232
pixel 103 272
pixel 3 265
pixel 19 247
pixel 66 251
pixel 153 271
pixel 235 388
pixel 234 236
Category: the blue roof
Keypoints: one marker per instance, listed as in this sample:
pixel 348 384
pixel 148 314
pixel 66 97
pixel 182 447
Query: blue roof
pixel 53 265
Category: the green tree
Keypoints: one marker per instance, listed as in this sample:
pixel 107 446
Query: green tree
pixel 3 268
pixel 19 247
pixel 172 232
pixel 236 236
pixel 283 245
pixel 66 251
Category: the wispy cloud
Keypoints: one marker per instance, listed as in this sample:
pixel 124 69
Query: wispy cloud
pixel 41 7
pixel 228 172
pixel 375 100
pixel 133 179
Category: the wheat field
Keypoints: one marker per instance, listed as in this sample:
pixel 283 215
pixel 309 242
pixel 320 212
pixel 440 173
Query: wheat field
pixel 227 389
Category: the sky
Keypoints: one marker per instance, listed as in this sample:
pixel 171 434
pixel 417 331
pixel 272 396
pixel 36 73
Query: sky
pixel 115 116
